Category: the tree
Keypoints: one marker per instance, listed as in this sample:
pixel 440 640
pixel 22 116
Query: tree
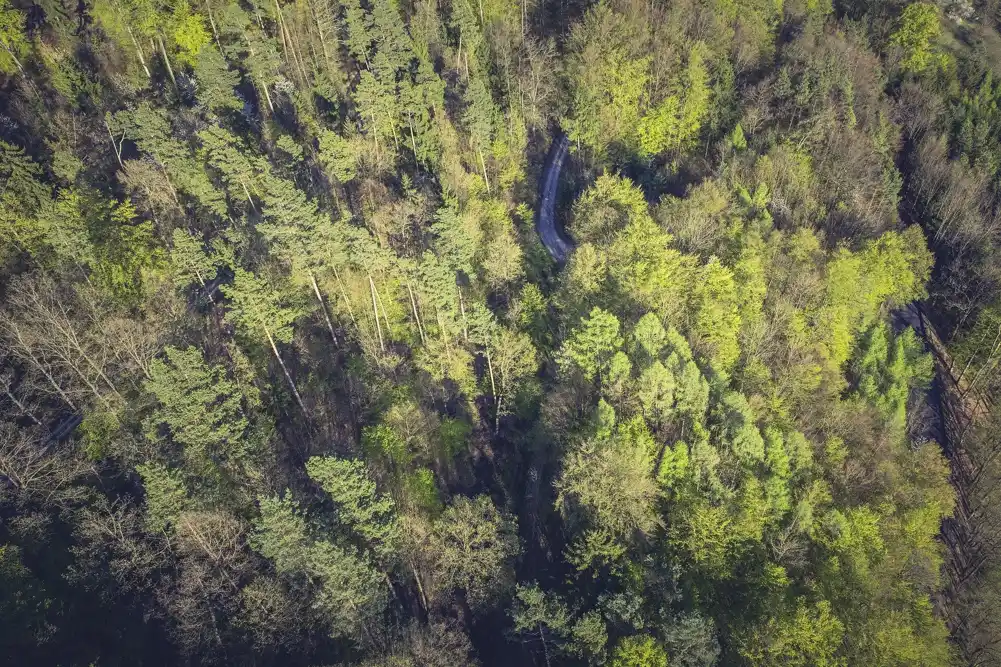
pixel 12 39
pixel 638 651
pixel 216 81
pixel 811 635
pixel 590 346
pixel 606 485
pixel 359 505
pixel 203 412
pixel 471 548
pixel 166 496
pixel 919 28
pixel 511 359
pixel 258 308
pixel 345 589
pixel 537 613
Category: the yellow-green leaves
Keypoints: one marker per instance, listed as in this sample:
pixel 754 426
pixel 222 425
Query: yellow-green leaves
pixel 190 33
pixel 13 42
pixel 918 29
pixel 590 347
pixel 674 123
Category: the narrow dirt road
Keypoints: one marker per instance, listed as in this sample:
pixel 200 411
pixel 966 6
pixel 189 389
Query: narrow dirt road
pixel 558 245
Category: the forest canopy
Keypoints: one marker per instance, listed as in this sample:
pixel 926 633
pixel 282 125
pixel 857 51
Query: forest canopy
pixel 289 376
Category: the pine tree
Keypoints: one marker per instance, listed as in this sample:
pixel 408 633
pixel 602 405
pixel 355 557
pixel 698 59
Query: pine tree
pixel 258 308
pixel 202 411
pixel 166 496
pixel 358 503
pixel 216 81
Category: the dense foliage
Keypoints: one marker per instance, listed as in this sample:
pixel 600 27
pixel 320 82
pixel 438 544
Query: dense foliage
pixel 288 377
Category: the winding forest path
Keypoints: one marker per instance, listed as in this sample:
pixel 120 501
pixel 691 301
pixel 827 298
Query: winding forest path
pixel 558 245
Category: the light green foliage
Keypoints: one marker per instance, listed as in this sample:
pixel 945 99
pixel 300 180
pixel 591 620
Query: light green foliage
pixel 23 193
pixel 542 616
pixel 655 391
pixel 737 429
pixel 809 636
pixel 737 139
pixel 638 651
pixel 281 534
pixel 358 503
pixel 166 495
pixel 589 637
pixel 240 170
pixel 889 271
pixel 190 33
pixel 473 546
pixel 97 430
pixel 606 482
pixel 12 38
pixel 650 335
pixel 887 367
pixel 717 319
pixel 346 590
pixel 338 156
pixel 150 128
pixel 538 612
pixel 920 26
pixel 129 257
pixel 608 80
pixel 606 208
pixel 705 534
pixel 350 592
pixel 216 80
pixel 645 270
pixel 479 114
pixel 258 308
pixel 701 414
pixel 190 261
pixel 853 539
pixel 674 124
pixel 591 345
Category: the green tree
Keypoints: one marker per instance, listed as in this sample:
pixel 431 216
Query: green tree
pixel 471 548
pixel 590 346
pixel 919 28
pixel 359 505
pixel 810 635
pixel 258 308
pixel 638 651
pixel 166 495
pixel 12 39
pixel 203 413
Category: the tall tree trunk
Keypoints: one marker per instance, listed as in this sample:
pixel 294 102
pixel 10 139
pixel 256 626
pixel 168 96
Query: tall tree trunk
pixel 332 69
pixel 215 32
pixel 462 309
pixel 493 390
pixel 288 376
pixel 483 164
pixel 166 61
pixel 417 317
pixel 323 306
pixel 344 295
pixel 116 145
pixel 375 311
pixel 139 52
